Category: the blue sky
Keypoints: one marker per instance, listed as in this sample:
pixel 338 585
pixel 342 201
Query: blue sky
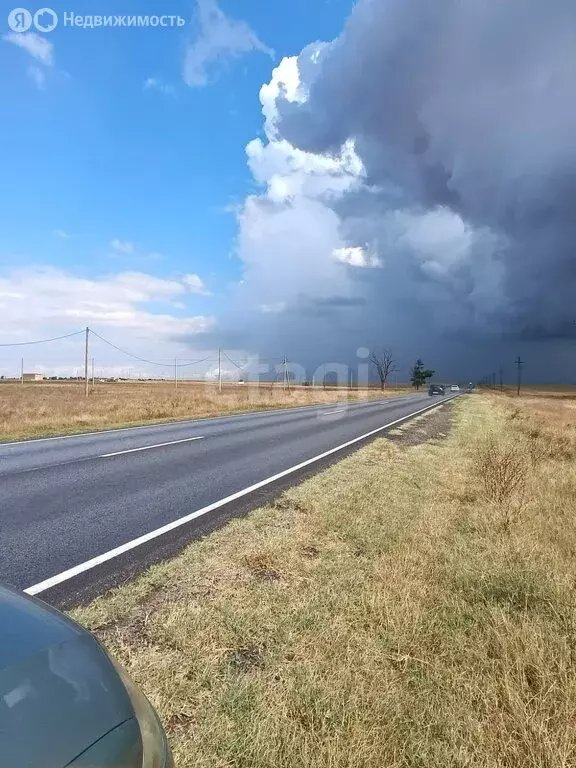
pixel 115 162
pixel 100 155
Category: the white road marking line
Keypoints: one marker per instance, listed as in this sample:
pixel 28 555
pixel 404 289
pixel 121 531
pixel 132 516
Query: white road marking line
pixel 117 551
pixel 329 413
pixel 147 447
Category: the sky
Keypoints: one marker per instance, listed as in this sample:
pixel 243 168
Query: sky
pixel 307 180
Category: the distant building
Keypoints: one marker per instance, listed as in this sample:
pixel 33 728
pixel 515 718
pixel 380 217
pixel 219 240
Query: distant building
pixel 33 376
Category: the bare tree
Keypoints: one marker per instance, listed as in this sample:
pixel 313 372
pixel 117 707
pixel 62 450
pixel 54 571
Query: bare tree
pixel 385 364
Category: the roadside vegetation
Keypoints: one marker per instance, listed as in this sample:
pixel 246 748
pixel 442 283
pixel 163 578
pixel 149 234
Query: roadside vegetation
pixel 38 409
pixel 413 605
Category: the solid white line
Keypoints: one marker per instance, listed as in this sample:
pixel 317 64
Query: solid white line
pixel 117 551
pixel 147 447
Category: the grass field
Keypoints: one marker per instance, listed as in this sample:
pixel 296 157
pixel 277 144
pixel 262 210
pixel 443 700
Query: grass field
pixel 45 408
pixel 555 391
pixel 411 606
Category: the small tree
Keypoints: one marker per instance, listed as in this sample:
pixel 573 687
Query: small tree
pixel 420 374
pixel 384 363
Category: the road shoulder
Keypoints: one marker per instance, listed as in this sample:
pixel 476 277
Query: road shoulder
pixel 403 607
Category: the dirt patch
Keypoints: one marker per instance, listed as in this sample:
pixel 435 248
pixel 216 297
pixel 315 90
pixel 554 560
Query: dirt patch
pixel 434 425
pixel 247 658
pixel 261 566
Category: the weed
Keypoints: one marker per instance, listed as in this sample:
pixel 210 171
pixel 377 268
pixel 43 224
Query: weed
pixel 502 467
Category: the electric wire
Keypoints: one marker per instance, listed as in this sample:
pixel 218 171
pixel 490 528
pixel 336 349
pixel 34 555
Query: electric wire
pixel 41 341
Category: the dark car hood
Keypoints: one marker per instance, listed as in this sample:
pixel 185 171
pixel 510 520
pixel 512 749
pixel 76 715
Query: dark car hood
pixel 59 692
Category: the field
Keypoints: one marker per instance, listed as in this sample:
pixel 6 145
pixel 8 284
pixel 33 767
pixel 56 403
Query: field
pixel 45 408
pixel 414 605
pixel 555 391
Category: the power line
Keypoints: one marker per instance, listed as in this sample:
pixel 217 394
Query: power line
pixel 43 341
pixel 240 365
pixel 232 361
pixel 195 362
pixel 143 359
pixel 125 352
pixel 246 361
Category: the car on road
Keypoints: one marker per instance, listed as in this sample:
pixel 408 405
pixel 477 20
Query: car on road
pixel 454 388
pixel 64 701
pixel 436 389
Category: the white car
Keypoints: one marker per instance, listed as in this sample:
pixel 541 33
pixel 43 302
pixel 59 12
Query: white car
pixel 454 388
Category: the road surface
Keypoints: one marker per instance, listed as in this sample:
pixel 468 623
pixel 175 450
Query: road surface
pixel 81 513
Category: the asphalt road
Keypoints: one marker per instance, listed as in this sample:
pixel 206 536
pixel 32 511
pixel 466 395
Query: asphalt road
pixel 81 513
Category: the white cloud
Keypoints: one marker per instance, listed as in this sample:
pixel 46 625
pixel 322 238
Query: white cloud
pixel 120 307
pixel 356 257
pixel 290 233
pixel 440 239
pixel 285 83
pixel 61 234
pixel 41 51
pixel 38 47
pixel 141 287
pixel 122 246
pixel 288 171
pixel 219 38
pixel 110 298
pixel 287 251
pixel 37 75
pixel 155 84
pixel 194 284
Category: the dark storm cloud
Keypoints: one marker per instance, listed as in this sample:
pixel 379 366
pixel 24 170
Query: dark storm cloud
pixel 456 241
pixel 327 305
pixel 339 301
pixel 467 107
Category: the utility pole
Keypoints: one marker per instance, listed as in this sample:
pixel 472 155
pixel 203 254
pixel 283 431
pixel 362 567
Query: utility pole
pixel 22 371
pixel 219 370
pixel 286 380
pixel 86 363
pixel 519 364
pixel 176 372
pixel 501 380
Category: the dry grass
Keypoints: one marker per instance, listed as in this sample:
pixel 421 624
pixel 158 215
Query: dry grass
pixel 545 390
pixel 35 409
pixel 380 614
pixel 547 416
